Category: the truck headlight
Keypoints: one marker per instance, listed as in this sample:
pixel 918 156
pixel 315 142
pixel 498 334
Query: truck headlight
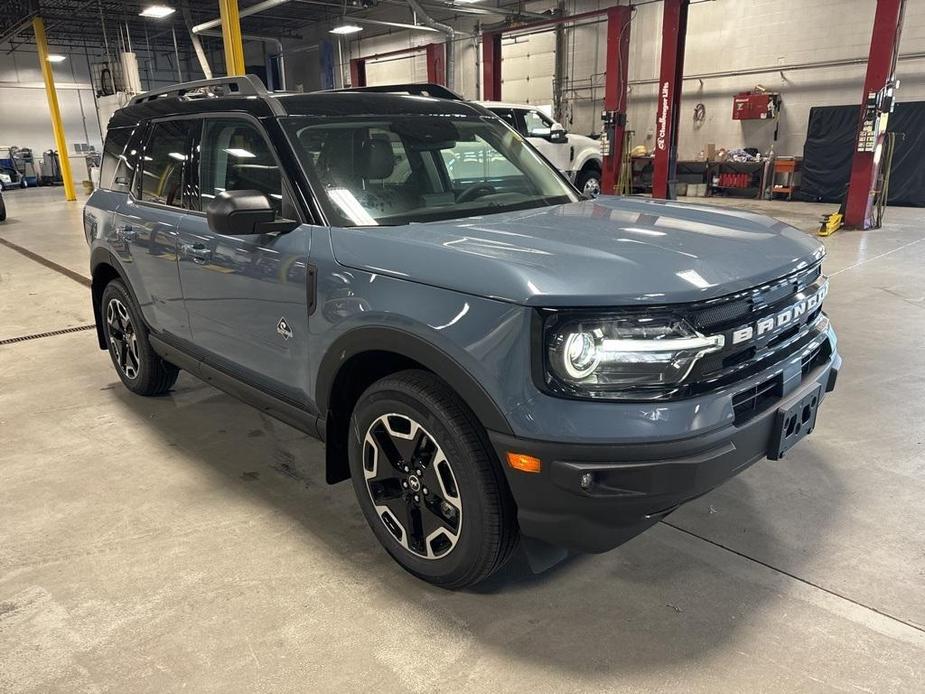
pixel 621 356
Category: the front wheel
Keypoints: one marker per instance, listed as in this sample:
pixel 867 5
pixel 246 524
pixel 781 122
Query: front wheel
pixel 428 483
pixel 141 370
pixel 588 182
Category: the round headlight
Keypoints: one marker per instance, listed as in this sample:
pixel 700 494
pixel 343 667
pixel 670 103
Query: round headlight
pixel 580 356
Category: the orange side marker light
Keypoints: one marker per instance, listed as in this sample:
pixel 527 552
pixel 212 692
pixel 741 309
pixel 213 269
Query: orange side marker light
pixel 523 462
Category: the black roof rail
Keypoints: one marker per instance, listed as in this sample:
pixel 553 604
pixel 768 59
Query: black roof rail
pixel 244 85
pixel 438 91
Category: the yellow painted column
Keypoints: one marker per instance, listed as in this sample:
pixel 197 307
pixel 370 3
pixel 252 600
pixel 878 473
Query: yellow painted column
pixel 231 37
pixel 42 43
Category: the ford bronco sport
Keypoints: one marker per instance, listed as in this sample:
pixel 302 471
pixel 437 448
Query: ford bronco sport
pixel 489 358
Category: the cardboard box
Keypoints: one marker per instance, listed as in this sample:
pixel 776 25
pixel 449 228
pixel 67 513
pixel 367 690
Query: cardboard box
pixel 709 151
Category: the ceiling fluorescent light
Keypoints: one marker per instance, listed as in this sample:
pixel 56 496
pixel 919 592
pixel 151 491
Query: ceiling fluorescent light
pixel 346 29
pixel 157 11
pixel 466 2
pixel 56 58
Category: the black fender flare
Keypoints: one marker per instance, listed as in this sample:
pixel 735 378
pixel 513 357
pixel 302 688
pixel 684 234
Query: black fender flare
pixel 103 256
pixel 390 339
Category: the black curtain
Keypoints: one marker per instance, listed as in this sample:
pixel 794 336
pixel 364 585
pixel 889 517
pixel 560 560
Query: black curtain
pixel 830 141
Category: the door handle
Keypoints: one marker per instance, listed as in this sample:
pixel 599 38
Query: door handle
pixel 124 232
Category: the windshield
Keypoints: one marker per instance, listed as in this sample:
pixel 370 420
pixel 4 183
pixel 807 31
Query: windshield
pixel 401 169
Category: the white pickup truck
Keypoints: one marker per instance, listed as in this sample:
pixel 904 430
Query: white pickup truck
pixel 577 156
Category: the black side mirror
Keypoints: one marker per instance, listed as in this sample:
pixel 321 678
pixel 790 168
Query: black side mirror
pixel 558 134
pixel 243 212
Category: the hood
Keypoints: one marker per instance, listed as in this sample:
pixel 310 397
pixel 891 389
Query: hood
pixel 583 141
pixel 606 252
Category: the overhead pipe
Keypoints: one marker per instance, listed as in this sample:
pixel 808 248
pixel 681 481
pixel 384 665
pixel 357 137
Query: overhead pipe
pixel 246 12
pixel 266 39
pixel 468 9
pixel 449 44
pixel 197 44
pixel 396 25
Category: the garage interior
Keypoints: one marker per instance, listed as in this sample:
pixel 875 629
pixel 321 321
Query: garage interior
pixel 189 541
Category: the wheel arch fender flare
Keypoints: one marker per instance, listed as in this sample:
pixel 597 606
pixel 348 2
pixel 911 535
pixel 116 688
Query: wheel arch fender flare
pixel 99 258
pixel 389 339
pixel 588 159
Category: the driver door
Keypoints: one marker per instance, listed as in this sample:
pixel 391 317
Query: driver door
pixel 246 296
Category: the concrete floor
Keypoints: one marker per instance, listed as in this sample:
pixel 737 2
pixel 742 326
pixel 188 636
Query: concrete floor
pixel 187 542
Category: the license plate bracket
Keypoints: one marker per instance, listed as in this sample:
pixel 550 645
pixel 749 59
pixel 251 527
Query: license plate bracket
pixel 794 422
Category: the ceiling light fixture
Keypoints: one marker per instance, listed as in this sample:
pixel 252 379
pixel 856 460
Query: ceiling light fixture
pixel 346 29
pixel 56 58
pixel 157 11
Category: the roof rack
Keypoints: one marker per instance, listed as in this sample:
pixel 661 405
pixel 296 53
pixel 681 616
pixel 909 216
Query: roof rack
pixel 437 91
pixel 244 85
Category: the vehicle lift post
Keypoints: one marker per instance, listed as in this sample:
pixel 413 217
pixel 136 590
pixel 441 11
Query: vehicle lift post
pixel 879 84
pixel 434 55
pixel 615 80
pixel 671 76
pixel 615 86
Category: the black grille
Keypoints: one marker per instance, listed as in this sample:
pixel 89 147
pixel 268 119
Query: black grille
pixel 817 357
pixel 750 402
pixel 738 361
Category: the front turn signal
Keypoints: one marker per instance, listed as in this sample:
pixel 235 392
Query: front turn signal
pixel 523 462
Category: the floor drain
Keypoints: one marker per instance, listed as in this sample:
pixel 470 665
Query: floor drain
pixel 52 333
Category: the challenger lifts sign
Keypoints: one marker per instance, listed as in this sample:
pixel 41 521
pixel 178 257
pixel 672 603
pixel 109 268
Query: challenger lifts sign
pixel 661 139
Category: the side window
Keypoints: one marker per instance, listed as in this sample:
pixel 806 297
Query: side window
pixel 507 114
pixel 538 125
pixel 114 161
pixel 163 163
pixel 234 155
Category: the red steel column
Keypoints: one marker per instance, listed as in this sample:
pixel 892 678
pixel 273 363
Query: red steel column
pixel 358 72
pixel 436 63
pixel 881 63
pixel 671 75
pixel 615 83
pixel 491 66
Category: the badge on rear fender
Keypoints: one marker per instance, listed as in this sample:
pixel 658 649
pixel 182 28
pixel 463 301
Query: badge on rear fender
pixel 283 329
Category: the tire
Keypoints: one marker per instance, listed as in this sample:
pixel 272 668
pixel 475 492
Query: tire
pixel 139 368
pixel 588 181
pixel 464 505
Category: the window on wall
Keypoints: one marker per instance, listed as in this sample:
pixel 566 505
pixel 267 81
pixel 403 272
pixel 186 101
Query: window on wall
pixel 164 162
pixel 234 155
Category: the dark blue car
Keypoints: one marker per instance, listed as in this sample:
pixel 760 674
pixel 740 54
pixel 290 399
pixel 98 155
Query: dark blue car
pixel 490 358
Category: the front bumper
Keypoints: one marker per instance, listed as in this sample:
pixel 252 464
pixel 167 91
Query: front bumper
pixel 635 485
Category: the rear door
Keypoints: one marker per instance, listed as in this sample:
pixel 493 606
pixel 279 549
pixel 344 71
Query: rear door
pixel 246 295
pixel 146 223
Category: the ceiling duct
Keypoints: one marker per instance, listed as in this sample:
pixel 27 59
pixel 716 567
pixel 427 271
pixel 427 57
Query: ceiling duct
pixel 449 44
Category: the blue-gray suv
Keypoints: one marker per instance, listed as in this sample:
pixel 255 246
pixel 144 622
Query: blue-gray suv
pixel 492 360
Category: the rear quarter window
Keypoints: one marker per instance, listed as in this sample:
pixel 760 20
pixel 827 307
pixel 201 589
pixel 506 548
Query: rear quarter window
pixel 115 172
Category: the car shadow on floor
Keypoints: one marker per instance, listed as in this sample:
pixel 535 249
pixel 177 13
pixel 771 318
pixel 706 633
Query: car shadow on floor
pixel 664 598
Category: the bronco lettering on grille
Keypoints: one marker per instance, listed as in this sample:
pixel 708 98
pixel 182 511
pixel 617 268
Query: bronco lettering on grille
pixel 781 318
